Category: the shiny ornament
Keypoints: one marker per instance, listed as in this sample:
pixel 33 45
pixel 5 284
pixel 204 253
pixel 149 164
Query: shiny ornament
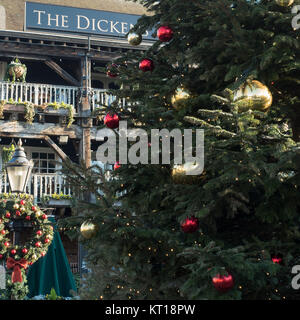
pixel 22 202
pixel 179 97
pixel 47 240
pixel 112 71
pixel 146 65
pixel 44 216
pixel 187 173
pixel 1 256
pixel 190 225
pixel 277 259
pixel 27 218
pixel 13 251
pixel 16 206
pixel 223 283
pixel 117 165
pixel 37 244
pixel 24 251
pixel 33 208
pixel 22 209
pixel 18 213
pixel 43 253
pixel 6 243
pixel 284 3
pixel 88 229
pixel 112 121
pixel 7 214
pixel 252 95
pixel 39 232
pixel 164 33
pixel 3 231
pixel 134 38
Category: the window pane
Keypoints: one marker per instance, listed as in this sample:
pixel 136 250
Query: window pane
pixel 35 155
pixel 43 155
pixel 44 164
pixel 51 156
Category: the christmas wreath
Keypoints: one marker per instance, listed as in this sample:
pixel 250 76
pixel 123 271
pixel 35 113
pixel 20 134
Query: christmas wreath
pixel 19 208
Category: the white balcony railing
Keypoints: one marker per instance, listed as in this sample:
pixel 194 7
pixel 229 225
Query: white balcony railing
pixel 40 185
pixel 42 94
pixel 38 94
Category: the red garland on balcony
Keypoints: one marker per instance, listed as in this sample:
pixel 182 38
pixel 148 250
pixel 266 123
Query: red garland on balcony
pixel 18 256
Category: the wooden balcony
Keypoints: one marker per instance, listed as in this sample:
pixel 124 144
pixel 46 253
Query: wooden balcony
pixel 40 185
pixel 45 94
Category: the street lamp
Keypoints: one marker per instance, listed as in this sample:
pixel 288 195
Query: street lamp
pixel 19 170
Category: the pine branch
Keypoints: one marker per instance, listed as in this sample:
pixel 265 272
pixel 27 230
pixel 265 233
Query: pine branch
pixel 215 129
pixel 215 113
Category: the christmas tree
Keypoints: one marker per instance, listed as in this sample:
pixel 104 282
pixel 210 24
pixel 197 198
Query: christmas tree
pixel 231 68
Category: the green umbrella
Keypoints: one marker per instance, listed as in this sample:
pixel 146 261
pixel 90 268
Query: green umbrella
pixel 51 271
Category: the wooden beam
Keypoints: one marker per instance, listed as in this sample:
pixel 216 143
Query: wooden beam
pixel 16 128
pixel 56 148
pixel 62 73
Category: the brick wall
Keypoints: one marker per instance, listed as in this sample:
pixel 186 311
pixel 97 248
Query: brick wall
pixel 15 8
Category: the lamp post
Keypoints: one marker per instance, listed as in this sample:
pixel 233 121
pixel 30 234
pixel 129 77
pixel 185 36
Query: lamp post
pixel 18 170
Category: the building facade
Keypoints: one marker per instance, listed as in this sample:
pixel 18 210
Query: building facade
pixel 64 45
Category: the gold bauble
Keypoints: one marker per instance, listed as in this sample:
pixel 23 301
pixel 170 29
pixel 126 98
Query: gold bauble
pixel 252 95
pixel 180 173
pixel 180 96
pixel 134 38
pixel 88 229
pixel 284 3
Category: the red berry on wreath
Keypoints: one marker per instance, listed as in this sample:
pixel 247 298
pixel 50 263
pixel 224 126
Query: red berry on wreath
pixel 22 202
pixel 18 213
pixel 13 251
pixel 223 283
pixel 24 250
pixel 164 33
pixel 16 206
pixel 43 253
pixel 190 225
pixel 47 240
pixel 44 216
pixel 33 208
pixel 6 243
pixel 39 232
pixel 38 244
pixel 3 231
pixel 1 256
pixel 27 218
pixel 7 214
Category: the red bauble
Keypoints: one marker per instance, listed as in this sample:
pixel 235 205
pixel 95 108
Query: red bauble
pixel 6 243
pixel 13 251
pixel 24 251
pixel 117 165
pixel 18 213
pixel 277 259
pixel 223 283
pixel 3 231
pixel 1 256
pixel 39 232
pixel 146 65
pixel 33 208
pixel 7 214
pixel 44 216
pixel 112 121
pixel 43 253
pixel 190 225
pixel 37 244
pixel 27 218
pixel 164 33
pixel 47 240
pixel 22 202
pixel 112 71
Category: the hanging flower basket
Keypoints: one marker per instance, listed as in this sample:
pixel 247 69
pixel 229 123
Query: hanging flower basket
pixel 16 71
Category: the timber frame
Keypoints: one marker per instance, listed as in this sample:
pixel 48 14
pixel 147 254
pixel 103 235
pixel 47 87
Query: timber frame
pixel 44 47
